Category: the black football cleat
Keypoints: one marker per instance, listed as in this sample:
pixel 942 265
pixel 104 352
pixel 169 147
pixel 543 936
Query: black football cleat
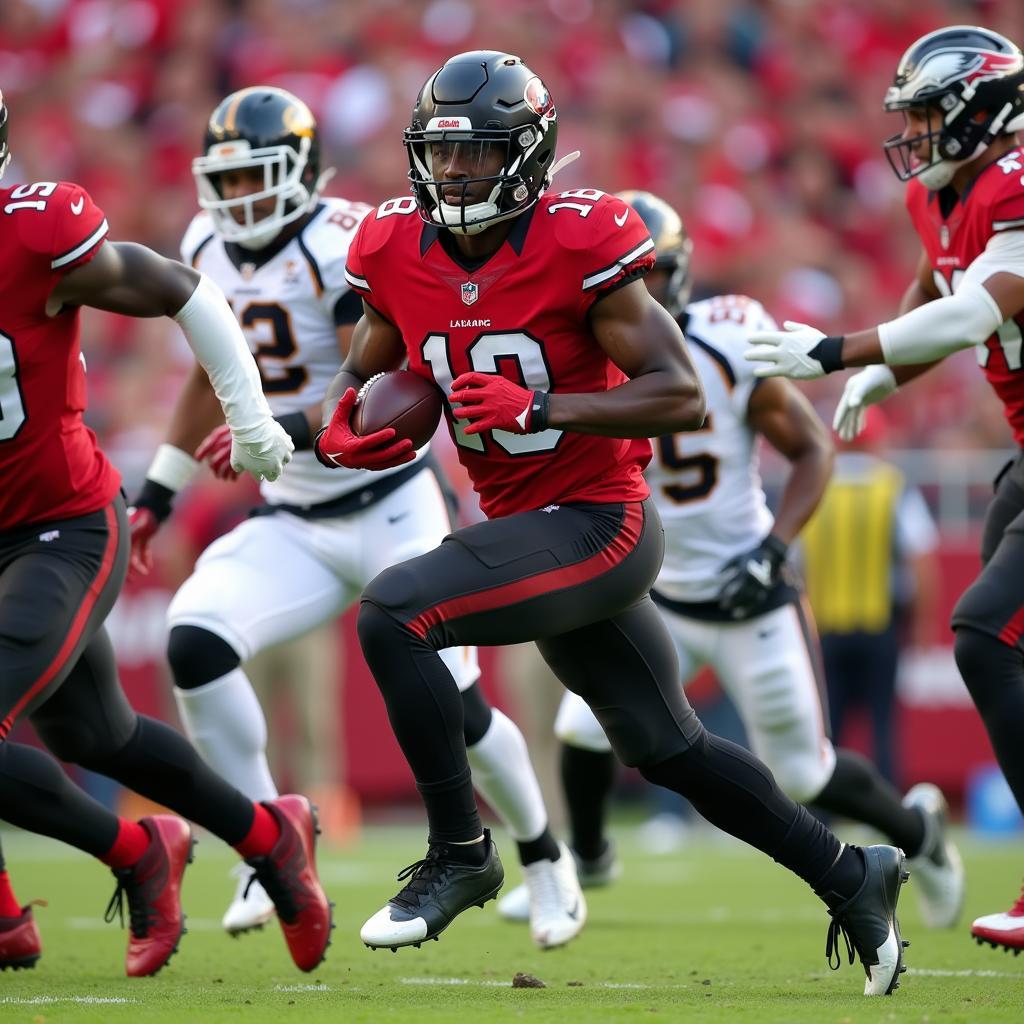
pixel 438 890
pixel 868 923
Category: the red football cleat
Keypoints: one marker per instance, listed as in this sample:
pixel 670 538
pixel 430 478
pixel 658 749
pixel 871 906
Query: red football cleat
pixel 1005 929
pixel 288 874
pixel 153 888
pixel 20 945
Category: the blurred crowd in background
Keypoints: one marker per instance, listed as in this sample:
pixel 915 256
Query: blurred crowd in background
pixel 760 120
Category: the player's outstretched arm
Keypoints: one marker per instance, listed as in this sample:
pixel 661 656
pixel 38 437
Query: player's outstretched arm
pixel 663 394
pixel 127 278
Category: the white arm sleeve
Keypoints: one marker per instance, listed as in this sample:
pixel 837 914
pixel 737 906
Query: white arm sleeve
pixel 966 318
pixel 214 335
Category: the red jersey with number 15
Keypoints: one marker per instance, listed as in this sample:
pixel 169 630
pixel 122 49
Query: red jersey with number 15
pixel 523 314
pixel 955 232
pixel 50 463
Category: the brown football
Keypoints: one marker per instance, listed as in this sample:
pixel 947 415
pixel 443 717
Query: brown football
pixel 401 399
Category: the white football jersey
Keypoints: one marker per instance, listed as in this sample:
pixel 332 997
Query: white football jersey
pixel 285 303
pixel 706 482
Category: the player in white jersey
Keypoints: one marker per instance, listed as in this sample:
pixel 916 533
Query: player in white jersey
pixel 278 252
pixel 732 603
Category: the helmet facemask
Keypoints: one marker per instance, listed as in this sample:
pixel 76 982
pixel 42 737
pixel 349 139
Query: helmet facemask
pixel 474 151
pixel 969 84
pixel 285 179
pixel 5 152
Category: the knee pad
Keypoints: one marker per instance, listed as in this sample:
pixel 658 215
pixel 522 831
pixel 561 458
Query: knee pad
pixel 476 715
pixel 577 726
pixel 198 656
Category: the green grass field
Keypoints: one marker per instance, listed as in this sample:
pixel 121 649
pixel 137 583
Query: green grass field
pixel 715 933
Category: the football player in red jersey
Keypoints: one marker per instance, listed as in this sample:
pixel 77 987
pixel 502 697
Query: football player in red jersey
pixel 63 553
pixel 961 91
pixel 527 310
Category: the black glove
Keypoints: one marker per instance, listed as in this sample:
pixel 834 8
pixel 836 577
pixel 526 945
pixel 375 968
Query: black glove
pixel 748 579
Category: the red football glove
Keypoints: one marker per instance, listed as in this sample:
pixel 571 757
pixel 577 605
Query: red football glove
pixel 337 446
pixel 215 451
pixel 492 402
pixel 144 524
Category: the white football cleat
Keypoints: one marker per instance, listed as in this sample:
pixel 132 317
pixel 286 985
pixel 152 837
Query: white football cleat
pixel 251 908
pixel 592 874
pixel 558 910
pixel 938 870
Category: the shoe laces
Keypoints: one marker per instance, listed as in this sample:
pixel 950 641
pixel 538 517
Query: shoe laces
pixel 141 913
pixel 423 876
pixel 833 953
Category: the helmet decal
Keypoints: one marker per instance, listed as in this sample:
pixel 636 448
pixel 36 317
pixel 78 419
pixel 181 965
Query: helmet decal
pixel 537 97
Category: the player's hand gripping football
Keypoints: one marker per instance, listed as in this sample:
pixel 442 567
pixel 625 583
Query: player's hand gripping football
pixel 492 402
pixel 338 446
pixel 215 451
pixel 262 450
pixel 790 353
pixel 869 387
pixel 749 577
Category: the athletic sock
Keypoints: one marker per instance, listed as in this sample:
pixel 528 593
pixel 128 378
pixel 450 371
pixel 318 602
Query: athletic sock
pixel 9 905
pixel 224 720
pixel 857 790
pixel 504 777
pixel 587 778
pixel 262 835
pixel 473 854
pixel 131 843
pixel 543 847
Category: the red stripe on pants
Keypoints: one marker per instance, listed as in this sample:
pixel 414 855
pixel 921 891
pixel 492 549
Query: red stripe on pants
pixel 78 624
pixel 542 583
pixel 1011 632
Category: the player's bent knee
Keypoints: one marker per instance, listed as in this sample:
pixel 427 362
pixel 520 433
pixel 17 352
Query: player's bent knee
pixel 197 656
pixel 801 778
pixel 476 715
pixel 984 661
pixel 85 742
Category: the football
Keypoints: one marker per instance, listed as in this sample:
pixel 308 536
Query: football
pixel 400 399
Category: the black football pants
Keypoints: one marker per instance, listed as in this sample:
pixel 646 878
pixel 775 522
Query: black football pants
pixel 58 582
pixel 575 579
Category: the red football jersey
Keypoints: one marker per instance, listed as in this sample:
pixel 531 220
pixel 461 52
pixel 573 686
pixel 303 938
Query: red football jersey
pixel 523 314
pixel 50 463
pixel 993 203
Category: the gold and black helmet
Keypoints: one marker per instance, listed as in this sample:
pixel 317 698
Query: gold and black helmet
pixel 264 128
pixel 672 245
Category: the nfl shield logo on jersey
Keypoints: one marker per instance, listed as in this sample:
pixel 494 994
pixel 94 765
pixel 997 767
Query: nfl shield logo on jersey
pixel 470 292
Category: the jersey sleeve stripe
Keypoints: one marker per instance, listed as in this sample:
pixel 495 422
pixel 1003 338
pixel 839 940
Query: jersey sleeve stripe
pixel 314 268
pixel 720 359
pixel 355 281
pixel 598 278
pixel 194 261
pixel 80 250
pixel 1003 225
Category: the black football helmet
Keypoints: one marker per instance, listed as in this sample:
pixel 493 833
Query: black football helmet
pixel 5 152
pixel 489 103
pixel 973 80
pixel 266 128
pixel 673 247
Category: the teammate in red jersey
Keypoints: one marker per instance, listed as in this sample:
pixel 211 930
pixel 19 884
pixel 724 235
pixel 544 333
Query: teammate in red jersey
pixel 63 553
pixel 961 91
pixel 528 312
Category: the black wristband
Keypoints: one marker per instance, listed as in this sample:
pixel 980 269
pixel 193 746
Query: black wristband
pixel 297 428
pixel 156 498
pixel 776 546
pixel 539 412
pixel 322 459
pixel 829 352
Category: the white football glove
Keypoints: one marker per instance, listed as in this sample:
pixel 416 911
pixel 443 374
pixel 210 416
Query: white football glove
pixel 263 450
pixel 869 387
pixel 786 353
